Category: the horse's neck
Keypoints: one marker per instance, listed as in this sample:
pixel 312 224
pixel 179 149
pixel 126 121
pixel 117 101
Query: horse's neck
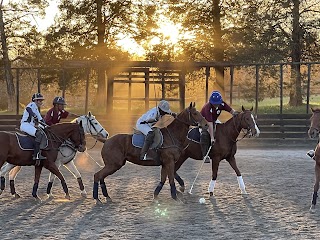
pixel 232 127
pixel 178 130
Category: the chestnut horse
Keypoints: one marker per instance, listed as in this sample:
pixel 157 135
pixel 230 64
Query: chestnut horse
pixel 66 156
pixel 118 149
pixel 313 133
pixel 10 151
pixel 225 147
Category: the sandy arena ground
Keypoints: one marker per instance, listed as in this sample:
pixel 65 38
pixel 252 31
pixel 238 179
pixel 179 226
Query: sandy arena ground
pixel 279 183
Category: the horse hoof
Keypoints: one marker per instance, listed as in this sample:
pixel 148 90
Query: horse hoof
pixel 211 194
pixel 109 200
pixel 244 193
pixel 313 208
pixel 16 196
pixel 98 202
pixel 37 199
pixel 182 189
pixel 67 196
pixel 50 196
pixel 83 194
pixel 1 192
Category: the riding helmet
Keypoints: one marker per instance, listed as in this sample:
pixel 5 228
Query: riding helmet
pixel 215 98
pixel 59 100
pixel 164 106
pixel 37 96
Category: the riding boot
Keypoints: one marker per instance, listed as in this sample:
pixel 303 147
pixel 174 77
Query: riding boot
pixel 205 143
pixel 37 152
pixel 147 143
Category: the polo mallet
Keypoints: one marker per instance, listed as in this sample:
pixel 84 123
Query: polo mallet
pixel 190 191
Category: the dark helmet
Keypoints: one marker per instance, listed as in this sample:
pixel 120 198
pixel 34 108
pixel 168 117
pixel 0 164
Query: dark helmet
pixel 37 96
pixel 59 100
pixel 215 98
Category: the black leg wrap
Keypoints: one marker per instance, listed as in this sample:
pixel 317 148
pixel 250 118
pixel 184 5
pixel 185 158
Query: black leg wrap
pixel 173 191
pixel 95 190
pixel 64 186
pixel 158 189
pixel 81 186
pixel 49 187
pixel 2 183
pixel 12 188
pixel 314 198
pixel 179 180
pixel 35 189
pixel 104 189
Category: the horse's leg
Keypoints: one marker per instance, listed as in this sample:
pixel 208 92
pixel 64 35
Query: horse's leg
pixel 177 165
pixel 12 176
pixel 215 166
pixel 73 169
pixel 52 177
pixel 99 177
pixel 161 183
pixel 170 171
pixel 233 164
pixel 51 166
pixel 4 170
pixel 315 187
pixel 37 174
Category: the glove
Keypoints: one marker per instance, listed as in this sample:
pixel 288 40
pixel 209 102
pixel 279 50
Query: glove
pixel 235 113
pixel 143 122
pixel 35 118
pixel 174 115
pixel 43 123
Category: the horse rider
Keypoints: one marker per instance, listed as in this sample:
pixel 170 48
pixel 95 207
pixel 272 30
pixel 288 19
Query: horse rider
pixel 147 120
pixel 30 118
pixel 211 111
pixel 57 112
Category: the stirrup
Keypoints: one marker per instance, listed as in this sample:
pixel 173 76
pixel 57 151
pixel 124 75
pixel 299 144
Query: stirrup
pixel 38 156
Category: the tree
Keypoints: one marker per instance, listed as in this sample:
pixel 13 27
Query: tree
pixel 14 31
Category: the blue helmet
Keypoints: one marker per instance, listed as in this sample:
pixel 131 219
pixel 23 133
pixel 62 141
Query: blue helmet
pixel 215 98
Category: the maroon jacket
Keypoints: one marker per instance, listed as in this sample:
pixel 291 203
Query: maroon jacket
pixel 211 114
pixel 53 117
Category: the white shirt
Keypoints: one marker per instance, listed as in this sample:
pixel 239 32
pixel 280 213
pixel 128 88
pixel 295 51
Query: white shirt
pixel 26 117
pixel 152 115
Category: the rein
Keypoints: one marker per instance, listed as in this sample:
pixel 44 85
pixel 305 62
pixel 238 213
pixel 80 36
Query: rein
pixel 235 126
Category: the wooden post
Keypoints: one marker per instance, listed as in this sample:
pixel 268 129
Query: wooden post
pixel 308 87
pixel 207 82
pixel 182 88
pixel 281 89
pixel 231 83
pixel 87 90
pixel 130 89
pixel 146 89
pixel 110 92
pixel 257 88
pixel 17 90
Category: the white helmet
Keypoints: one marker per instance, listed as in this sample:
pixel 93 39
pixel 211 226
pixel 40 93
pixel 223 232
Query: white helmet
pixel 164 106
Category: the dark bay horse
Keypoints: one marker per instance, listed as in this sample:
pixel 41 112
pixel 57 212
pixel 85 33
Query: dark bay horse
pixel 225 147
pixel 65 157
pixel 10 151
pixel 313 133
pixel 118 149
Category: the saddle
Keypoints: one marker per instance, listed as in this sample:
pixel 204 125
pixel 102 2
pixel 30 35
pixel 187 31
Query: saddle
pixel 138 139
pixel 26 142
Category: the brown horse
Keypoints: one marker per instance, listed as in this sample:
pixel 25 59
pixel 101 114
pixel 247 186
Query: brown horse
pixel 313 133
pixel 10 151
pixel 225 147
pixel 119 149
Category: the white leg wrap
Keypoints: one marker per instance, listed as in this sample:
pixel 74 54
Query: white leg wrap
pixel 241 184
pixel 211 186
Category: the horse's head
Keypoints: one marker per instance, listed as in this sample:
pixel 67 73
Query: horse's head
pixel 248 122
pixel 192 117
pixel 314 129
pixel 78 137
pixel 92 126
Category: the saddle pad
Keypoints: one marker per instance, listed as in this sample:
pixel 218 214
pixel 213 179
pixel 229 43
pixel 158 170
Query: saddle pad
pixel 138 139
pixel 27 142
pixel 194 135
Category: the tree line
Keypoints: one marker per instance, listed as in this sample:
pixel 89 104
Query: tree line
pixel 237 31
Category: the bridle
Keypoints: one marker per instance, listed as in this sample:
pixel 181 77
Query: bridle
pixel 249 127
pixel 191 120
pixel 89 121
